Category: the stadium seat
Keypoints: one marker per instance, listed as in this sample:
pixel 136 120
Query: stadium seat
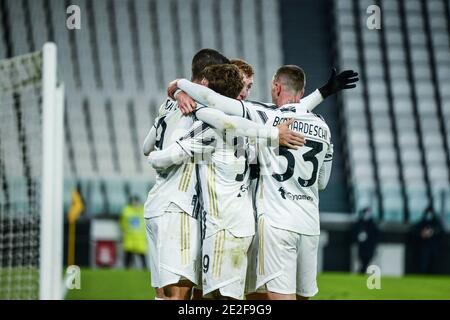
pixel 394 39
pixel 417 203
pixel 347 37
pixel 116 194
pixel 228 24
pixel 95 203
pixel 344 5
pixel 393 207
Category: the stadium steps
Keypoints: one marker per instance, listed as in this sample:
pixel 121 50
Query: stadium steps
pixel 114 38
pixel 432 48
pixel 310 49
pixel 391 205
pixel 6 30
pixel 367 102
pixel 90 135
pixel 407 99
pixel 112 136
pixel 406 23
pixel 136 45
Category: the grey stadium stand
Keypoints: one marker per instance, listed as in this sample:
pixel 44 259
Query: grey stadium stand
pixel 395 121
pixel 116 68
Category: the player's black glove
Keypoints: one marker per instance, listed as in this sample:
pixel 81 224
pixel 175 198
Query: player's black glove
pixel 345 80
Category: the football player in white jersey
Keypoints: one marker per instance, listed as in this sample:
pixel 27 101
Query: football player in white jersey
pixel 172 228
pixel 175 255
pixel 247 73
pixel 287 199
pixel 229 222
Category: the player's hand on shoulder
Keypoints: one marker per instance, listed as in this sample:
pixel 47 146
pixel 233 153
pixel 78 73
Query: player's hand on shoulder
pixel 288 138
pixel 172 88
pixel 185 103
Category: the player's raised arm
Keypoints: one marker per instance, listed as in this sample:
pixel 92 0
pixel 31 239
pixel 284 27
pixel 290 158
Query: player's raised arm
pixel 312 100
pixel 325 170
pixel 211 98
pixel 345 80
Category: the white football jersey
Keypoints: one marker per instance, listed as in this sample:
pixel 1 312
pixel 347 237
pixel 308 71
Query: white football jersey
pixel 224 179
pixel 287 189
pixel 177 185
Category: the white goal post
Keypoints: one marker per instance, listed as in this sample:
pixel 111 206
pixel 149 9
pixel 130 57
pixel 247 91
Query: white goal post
pixel 31 176
pixel 51 232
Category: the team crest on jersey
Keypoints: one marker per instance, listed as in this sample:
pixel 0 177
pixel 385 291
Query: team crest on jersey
pixel 290 196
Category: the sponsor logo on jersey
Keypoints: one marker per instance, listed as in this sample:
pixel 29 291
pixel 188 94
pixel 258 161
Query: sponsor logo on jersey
pixel 290 196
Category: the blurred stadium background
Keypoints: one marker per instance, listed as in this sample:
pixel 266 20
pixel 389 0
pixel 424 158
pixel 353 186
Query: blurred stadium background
pixel 391 134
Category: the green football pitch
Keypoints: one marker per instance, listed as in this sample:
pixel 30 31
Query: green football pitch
pixel 133 285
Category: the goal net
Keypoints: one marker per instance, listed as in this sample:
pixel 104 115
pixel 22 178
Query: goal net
pixel 31 125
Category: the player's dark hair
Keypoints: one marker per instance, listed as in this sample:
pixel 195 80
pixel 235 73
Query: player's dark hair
pixel 292 77
pixel 224 79
pixel 205 58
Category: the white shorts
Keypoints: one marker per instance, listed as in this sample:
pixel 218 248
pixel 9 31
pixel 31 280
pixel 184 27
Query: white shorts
pixel 174 248
pixel 287 261
pixel 224 264
pixel 250 280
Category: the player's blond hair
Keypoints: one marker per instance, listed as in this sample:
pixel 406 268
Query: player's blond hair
pixel 243 66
